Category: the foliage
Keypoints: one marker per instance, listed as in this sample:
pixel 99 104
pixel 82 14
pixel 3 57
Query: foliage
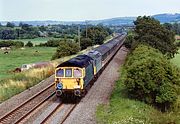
pixel 122 110
pixel 97 34
pixel 7 34
pixel 11 43
pixel 176 59
pixel 175 27
pixel 178 44
pixel 150 31
pixel 85 42
pixel 65 49
pixel 152 78
pixel 51 43
pixel 29 44
pixel 9 24
pixel 129 41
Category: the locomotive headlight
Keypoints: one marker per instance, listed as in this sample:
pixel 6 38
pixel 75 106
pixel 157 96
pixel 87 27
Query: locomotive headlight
pixel 59 86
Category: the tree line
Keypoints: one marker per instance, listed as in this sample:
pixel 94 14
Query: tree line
pixel 175 27
pixel 149 76
pixel 91 36
pixel 27 31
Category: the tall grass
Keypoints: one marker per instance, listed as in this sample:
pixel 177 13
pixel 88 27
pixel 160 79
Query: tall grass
pixel 22 81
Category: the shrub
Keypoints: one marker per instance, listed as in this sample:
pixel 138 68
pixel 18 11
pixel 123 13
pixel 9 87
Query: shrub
pixel 86 42
pixel 129 40
pixel 65 49
pixel 29 44
pixel 151 78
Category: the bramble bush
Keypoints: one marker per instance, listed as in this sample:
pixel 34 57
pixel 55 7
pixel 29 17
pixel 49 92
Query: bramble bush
pixel 151 78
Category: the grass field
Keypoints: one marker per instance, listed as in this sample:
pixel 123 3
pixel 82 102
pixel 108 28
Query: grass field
pixel 176 60
pixel 35 41
pixel 123 110
pixel 17 57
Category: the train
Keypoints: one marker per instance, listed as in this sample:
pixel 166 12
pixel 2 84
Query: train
pixel 73 77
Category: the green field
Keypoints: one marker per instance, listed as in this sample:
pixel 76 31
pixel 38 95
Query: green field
pixel 17 57
pixel 176 60
pixel 35 41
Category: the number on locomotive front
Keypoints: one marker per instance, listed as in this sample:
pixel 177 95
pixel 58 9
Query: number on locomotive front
pixel 69 80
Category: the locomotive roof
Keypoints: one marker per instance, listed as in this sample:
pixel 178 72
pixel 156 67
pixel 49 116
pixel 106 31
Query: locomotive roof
pixel 94 54
pixel 102 49
pixel 79 61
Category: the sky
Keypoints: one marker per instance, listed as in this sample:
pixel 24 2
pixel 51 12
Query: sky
pixel 78 10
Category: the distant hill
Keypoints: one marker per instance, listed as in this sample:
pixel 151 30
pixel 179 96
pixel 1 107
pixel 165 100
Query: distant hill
pixel 163 18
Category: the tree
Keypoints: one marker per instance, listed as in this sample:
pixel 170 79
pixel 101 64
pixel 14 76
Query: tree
pixel 65 49
pixel 151 78
pixel 150 31
pixel 9 24
pixel 97 34
pixel 29 44
pixel 86 42
pixel 8 34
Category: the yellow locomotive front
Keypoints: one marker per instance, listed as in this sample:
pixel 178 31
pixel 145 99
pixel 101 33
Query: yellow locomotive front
pixel 69 80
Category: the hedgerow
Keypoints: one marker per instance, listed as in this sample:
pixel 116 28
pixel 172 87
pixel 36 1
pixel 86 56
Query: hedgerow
pixel 151 78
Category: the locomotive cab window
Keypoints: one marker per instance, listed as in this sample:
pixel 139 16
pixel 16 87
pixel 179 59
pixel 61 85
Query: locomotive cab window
pixel 68 72
pixel 77 73
pixel 60 73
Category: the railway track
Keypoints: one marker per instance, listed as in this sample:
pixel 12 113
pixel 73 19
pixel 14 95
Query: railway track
pixel 22 111
pixel 55 111
pixel 65 115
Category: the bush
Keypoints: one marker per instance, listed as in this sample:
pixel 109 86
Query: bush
pixel 50 43
pixel 65 49
pixel 178 44
pixel 129 41
pixel 29 44
pixel 86 42
pixel 11 43
pixel 151 78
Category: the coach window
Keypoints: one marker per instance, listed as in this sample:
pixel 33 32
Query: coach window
pixel 60 73
pixel 68 72
pixel 77 73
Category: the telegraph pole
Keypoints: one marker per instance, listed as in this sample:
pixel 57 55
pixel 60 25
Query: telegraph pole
pixel 79 36
pixel 86 28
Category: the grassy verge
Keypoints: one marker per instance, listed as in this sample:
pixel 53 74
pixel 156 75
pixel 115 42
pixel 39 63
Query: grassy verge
pixel 122 110
pixel 22 81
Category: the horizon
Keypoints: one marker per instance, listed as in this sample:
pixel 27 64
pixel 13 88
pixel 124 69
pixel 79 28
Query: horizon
pixel 81 10
pixel 85 19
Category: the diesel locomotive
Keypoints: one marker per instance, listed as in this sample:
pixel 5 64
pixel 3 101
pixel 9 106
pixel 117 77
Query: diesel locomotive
pixel 75 75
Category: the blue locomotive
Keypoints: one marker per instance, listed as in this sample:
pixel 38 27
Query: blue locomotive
pixel 75 75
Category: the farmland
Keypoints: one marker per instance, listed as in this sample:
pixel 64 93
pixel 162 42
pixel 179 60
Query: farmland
pixel 17 57
pixel 35 41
